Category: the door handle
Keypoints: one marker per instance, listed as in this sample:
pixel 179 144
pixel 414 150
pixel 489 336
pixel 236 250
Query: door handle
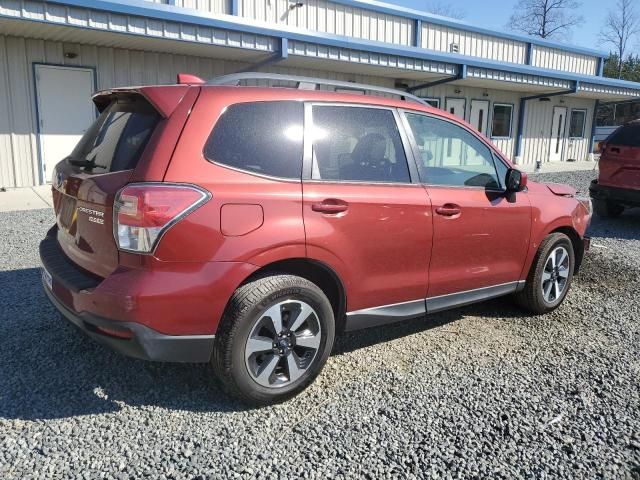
pixel 448 210
pixel 330 206
pixel 615 149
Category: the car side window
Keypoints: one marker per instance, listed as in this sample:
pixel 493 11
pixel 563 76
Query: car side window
pixel 260 137
pixel 450 155
pixel 357 144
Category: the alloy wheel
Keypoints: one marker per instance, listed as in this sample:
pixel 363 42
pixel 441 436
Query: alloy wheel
pixel 555 275
pixel 283 343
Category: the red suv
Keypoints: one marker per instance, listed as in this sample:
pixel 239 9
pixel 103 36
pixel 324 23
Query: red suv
pixel 618 183
pixel 247 226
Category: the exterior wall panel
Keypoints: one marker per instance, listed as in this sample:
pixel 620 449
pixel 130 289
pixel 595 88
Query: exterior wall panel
pixel 555 59
pixel 536 140
pixel 210 6
pixel 19 165
pixel 440 38
pixel 441 92
pixel 330 17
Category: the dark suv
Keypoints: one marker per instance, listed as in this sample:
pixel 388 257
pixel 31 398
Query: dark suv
pixel 618 183
pixel 246 226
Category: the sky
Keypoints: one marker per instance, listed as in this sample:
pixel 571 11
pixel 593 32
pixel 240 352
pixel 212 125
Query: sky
pixel 494 14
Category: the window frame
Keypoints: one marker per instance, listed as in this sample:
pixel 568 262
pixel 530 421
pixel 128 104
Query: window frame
pixel 584 123
pixel 493 111
pixel 495 156
pixel 307 162
pixel 433 99
pixel 252 172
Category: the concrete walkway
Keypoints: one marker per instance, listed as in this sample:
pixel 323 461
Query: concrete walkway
pixel 33 198
pixel 27 198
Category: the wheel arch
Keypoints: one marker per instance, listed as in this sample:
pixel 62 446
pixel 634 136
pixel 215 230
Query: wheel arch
pixel 576 241
pixel 316 272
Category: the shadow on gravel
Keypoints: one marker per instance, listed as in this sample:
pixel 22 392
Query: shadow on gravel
pixel 625 227
pixel 49 369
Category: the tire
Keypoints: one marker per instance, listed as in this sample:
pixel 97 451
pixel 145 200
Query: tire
pixel 534 297
pixel 259 375
pixel 606 208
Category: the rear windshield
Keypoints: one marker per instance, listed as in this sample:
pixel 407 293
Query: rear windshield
pixel 118 137
pixel 628 135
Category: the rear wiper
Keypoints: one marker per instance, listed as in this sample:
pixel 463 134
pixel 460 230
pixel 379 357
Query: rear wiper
pixel 90 164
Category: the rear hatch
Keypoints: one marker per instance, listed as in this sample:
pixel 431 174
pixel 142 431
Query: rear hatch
pixel 117 149
pixel 620 160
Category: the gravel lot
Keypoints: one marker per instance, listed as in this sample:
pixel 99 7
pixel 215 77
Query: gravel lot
pixel 482 391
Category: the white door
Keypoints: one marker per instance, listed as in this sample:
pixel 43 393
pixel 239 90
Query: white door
pixel 65 111
pixel 453 146
pixel 479 115
pixel 455 106
pixel 558 124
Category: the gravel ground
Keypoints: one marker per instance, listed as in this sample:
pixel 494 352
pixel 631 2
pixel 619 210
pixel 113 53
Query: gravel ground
pixel 478 392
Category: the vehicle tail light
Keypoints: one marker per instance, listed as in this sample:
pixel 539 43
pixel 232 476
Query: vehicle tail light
pixel 143 212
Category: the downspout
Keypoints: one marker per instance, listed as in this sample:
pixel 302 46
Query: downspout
pixel 593 129
pixel 521 114
pixel 280 55
pixel 461 75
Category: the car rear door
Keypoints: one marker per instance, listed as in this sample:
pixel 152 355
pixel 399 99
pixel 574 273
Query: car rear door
pixel 363 214
pixel 480 235
pixel 620 161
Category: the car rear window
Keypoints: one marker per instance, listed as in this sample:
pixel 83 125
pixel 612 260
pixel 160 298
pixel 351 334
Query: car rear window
pixel 118 137
pixel 259 137
pixel 627 135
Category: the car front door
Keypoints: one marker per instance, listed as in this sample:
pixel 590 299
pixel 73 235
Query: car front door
pixel 480 234
pixel 365 213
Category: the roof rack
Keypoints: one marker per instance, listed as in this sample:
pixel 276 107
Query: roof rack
pixel 310 83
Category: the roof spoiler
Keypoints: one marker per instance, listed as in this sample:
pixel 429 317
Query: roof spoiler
pixel 164 99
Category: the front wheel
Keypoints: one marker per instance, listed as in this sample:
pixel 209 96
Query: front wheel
pixel 274 338
pixel 550 276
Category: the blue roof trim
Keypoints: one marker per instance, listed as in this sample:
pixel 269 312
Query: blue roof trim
pixel 177 14
pixel 453 23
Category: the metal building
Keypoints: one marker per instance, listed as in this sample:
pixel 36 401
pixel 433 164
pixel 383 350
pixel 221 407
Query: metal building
pixel 536 99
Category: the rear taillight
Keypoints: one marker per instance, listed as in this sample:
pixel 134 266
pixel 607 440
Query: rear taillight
pixel 143 212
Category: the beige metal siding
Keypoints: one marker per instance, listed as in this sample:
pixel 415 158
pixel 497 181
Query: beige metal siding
pixel 555 59
pixel 440 38
pixel 114 67
pixel 536 140
pixel 441 92
pixel 329 17
pixel 210 6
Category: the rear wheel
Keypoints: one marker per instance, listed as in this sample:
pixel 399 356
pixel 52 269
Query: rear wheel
pixel 274 338
pixel 607 208
pixel 550 276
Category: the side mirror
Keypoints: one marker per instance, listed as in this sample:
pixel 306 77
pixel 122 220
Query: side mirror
pixel 515 181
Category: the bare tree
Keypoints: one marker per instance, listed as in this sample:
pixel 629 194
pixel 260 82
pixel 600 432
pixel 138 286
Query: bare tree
pixel 445 10
pixel 621 25
pixel 546 18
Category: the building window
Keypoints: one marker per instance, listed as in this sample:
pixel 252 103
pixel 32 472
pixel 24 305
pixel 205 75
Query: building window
pixel 501 122
pixel 576 125
pixel 434 102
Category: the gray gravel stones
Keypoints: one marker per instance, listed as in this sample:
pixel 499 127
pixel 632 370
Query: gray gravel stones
pixel 479 392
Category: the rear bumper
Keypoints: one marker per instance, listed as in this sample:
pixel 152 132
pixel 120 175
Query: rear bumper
pixel 624 196
pixel 142 342
pixel 168 311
